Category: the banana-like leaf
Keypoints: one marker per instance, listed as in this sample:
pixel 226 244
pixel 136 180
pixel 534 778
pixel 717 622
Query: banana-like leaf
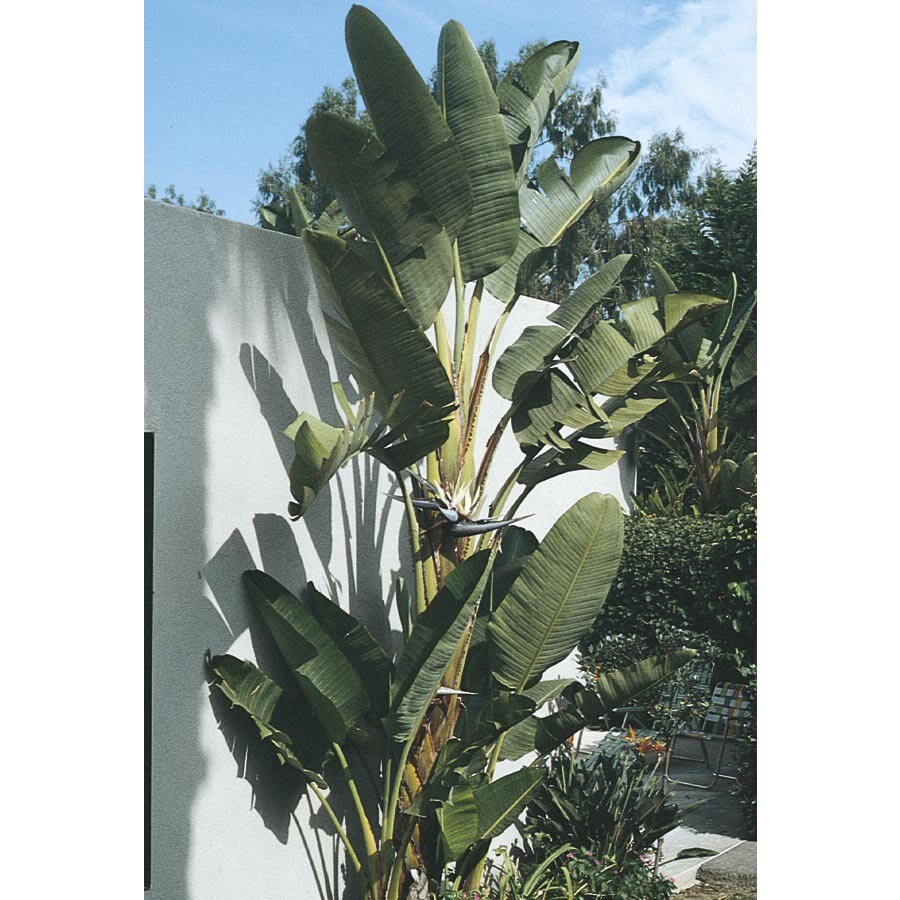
pixel 387 208
pixel 572 311
pixel 527 97
pixel 517 544
pixel 500 802
pixel 319 451
pixel 424 437
pixel 458 820
pixel 469 105
pixel 610 359
pixel 578 458
pixel 550 400
pixel 617 688
pixel 542 734
pixel 736 483
pixel 558 202
pixel 332 219
pixel 532 352
pixel 355 641
pixel 388 354
pixel 407 120
pixel 272 218
pixel 559 592
pixel 300 214
pixel 540 418
pixel 322 449
pixel 434 639
pixel 538 344
pixel 743 369
pixel 250 689
pixel 619 413
pixel 740 317
pixel 326 677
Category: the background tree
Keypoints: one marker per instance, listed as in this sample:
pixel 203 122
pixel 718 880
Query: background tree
pixel 295 168
pixel 202 202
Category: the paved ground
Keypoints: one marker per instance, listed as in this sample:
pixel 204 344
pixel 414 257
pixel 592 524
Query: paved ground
pixel 715 825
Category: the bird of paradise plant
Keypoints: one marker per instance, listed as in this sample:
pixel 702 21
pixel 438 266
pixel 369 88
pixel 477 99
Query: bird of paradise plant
pixel 445 204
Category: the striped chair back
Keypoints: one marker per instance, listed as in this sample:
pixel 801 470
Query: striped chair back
pixel 729 709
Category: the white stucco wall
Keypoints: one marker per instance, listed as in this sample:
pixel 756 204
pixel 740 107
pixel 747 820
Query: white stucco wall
pixel 235 349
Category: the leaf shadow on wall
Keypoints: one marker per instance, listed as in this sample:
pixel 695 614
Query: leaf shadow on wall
pixel 365 527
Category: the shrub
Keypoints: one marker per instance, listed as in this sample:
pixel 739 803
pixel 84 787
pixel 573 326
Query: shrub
pixel 590 829
pixel 682 582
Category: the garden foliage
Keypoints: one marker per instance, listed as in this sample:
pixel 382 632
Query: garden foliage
pixel 688 581
pixel 440 207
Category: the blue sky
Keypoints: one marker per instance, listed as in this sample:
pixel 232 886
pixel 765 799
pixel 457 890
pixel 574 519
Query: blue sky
pixel 227 82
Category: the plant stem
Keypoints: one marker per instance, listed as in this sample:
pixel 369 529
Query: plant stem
pixel 364 824
pixel 459 333
pixel 449 459
pixel 416 545
pixel 468 353
pixel 390 810
pixel 393 891
pixel 348 847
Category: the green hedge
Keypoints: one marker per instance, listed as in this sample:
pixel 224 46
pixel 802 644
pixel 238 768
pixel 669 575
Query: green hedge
pixel 682 582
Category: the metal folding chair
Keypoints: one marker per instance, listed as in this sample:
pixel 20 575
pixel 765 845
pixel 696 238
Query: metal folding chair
pixel 728 714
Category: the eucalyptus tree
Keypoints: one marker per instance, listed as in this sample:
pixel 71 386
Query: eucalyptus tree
pixel 435 209
pixel 202 202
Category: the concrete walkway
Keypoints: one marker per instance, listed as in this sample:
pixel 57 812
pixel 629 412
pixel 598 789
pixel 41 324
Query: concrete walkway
pixel 716 827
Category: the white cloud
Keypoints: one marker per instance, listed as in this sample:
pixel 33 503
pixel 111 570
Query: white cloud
pixel 697 73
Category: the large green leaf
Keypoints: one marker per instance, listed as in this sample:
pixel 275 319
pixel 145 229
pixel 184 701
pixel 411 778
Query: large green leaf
pixel 558 202
pixel 542 734
pixel 527 96
pixel 743 369
pixel 559 592
pixel 386 207
pixel 434 639
pixel 386 350
pixel 264 701
pixel 610 359
pixel 500 802
pixel 532 352
pixel 458 820
pixel 536 346
pixel 326 677
pixel 545 403
pixel 580 457
pixel 572 311
pixel 619 413
pixel 469 105
pixel 319 451
pixel 617 688
pixel 355 641
pixel 407 120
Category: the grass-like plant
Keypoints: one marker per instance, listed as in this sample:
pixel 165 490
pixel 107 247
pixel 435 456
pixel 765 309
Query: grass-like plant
pixel 445 204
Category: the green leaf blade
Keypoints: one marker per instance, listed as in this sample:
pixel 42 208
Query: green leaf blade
pixel 500 802
pixel 386 207
pixel 434 639
pixel 387 351
pixel 472 112
pixel 559 592
pixel 325 676
pixel 395 96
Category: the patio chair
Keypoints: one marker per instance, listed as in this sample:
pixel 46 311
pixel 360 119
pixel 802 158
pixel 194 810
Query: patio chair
pixel 729 713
